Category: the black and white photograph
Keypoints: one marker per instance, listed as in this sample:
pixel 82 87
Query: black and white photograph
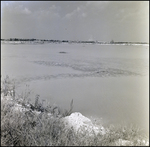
pixel 75 73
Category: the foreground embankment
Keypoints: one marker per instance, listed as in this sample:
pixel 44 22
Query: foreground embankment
pixel 32 124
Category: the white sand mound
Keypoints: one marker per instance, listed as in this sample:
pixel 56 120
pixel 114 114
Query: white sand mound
pixel 81 123
pixel 76 120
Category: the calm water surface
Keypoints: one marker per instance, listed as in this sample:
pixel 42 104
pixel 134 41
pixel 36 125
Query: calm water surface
pixel 105 81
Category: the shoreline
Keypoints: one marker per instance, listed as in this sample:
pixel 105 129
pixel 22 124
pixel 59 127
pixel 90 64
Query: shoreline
pixel 17 112
pixel 75 121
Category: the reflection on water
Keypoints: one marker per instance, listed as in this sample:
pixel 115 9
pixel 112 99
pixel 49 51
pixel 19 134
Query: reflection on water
pixel 104 81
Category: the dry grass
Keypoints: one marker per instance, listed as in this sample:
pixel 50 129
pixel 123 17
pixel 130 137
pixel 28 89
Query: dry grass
pixel 38 125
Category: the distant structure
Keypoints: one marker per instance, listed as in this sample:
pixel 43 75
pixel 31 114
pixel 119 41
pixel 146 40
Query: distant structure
pixel 112 41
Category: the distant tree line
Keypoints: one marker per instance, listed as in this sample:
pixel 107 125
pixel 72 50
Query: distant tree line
pixel 74 41
pixel 19 39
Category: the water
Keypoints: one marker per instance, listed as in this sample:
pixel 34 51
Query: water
pixel 105 81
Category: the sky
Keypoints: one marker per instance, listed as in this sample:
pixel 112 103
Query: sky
pixel 76 20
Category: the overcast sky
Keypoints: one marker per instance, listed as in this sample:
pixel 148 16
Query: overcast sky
pixel 76 20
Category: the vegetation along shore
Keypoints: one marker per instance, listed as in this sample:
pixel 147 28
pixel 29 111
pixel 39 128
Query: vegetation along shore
pixel 34 124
